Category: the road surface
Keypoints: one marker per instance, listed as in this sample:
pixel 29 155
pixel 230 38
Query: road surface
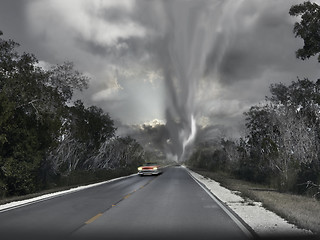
pixel 169 206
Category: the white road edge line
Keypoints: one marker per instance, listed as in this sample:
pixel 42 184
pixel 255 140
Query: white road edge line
pixel 18 204
pixel 240 224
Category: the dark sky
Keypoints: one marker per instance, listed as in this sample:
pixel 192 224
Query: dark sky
pixel 148 59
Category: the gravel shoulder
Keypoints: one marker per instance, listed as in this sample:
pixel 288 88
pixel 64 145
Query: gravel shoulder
pixel 264 223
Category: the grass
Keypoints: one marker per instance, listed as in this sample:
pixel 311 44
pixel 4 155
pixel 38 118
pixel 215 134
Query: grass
pixel 302 211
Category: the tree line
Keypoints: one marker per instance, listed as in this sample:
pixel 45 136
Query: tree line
pixel 282 142
pixel 45 135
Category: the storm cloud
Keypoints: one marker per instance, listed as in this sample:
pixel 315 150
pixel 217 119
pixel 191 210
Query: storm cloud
pixel 206 60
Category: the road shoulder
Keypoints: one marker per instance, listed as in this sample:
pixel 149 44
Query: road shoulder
pixel 16 204
pixel 263 222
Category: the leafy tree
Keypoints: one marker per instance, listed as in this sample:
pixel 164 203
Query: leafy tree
pixel 90 125
pixel 64 79
pixel 262 140
pixel 284 134
pixel 302 97
pixel 307 28
pixel 26 130
pixel 83 133
pixel 32 110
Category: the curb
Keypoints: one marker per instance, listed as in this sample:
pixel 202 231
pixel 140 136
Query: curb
pixel 246 229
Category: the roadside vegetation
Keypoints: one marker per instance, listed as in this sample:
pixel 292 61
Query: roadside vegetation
pixel 47 138
pixel 300 210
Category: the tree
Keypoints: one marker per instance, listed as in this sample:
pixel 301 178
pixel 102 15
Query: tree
pixel 297 145
pixel 284 133
pixel 33 107
pixel 90 125
pixel 85 130
pixel 308 28
pixel 117 153
pixel 26 129
pixel 302 97
pixel 64 79
pixel 262 141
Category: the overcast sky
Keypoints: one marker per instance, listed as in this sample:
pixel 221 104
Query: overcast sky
pixel 147 60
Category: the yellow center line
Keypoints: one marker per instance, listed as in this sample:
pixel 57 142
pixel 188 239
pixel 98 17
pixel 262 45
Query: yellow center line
pixel 113 205
pixel 93 218
pixel 127 196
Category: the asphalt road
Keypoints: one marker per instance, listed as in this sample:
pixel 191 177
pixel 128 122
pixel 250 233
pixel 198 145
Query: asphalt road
pixel 169 206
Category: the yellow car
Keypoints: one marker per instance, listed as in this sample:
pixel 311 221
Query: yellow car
pixel 149 169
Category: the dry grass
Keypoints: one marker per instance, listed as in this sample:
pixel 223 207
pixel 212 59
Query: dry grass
pixel 302 211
